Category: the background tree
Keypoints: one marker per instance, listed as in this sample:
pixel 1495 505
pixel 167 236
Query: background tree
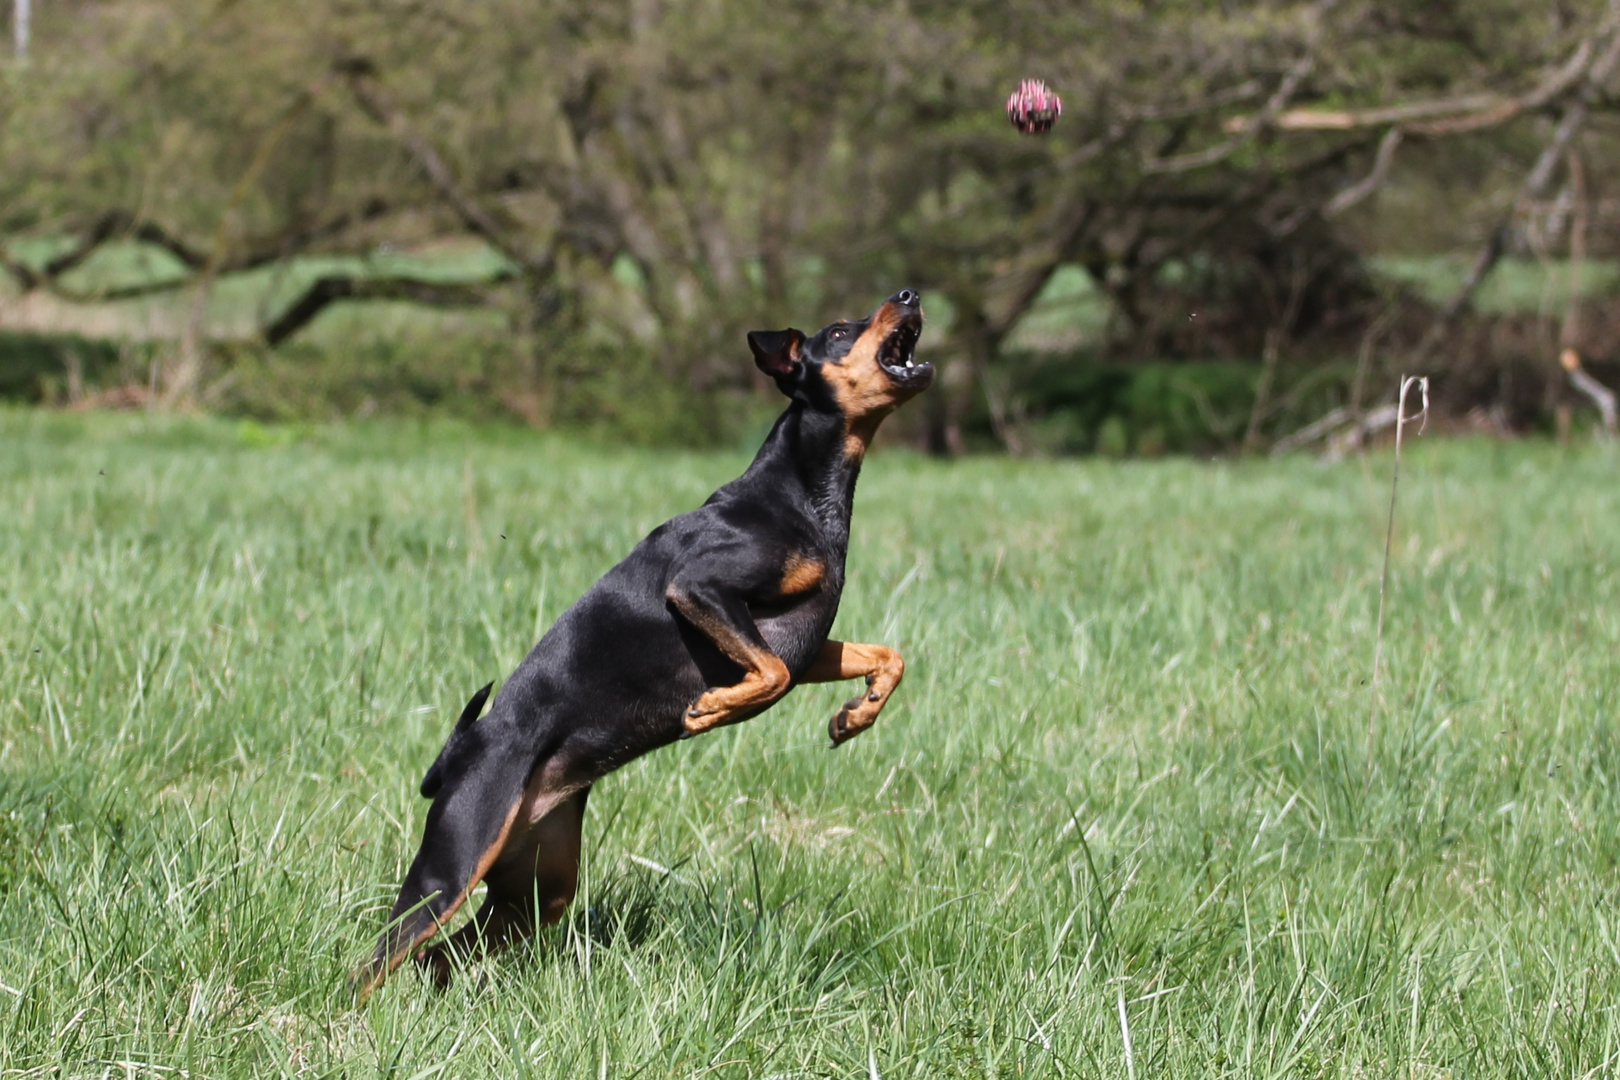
pixel 657 178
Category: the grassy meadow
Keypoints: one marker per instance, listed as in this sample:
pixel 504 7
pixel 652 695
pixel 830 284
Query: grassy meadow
pixel 1125 818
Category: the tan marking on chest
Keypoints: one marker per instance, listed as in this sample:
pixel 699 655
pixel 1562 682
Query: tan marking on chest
pixel 800 575
pixel 858 434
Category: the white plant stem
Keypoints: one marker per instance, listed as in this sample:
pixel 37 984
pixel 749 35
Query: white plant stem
pixel 1401 420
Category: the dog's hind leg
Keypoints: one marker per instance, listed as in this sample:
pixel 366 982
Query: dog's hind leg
pixel 467 829
pixel 879 665
pixel 531 883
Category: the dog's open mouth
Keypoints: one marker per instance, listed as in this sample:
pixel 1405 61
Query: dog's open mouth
pixel 896 354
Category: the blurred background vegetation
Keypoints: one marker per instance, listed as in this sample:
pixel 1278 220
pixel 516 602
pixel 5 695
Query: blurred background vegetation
pixel 1251 219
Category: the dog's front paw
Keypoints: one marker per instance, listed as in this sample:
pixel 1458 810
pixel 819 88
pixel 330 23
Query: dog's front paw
pixel 855 717
pixel 838 728
pixel 703 714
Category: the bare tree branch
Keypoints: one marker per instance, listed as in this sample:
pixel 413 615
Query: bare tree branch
pixel 1569 357
pixel 1601 395
pixel 1350 120
pixel 1246 131
pixel 329 290
pixel 1019 288
pixel 1316 429
pixel 20 273
pixel 120 224
pixel 1358 191
pixel 1569 332
pixel 1449 116
pixel 186 372
pixel 1457 115
pixel 1272 352
pixel 376 104
pixel 1535 184
pixel 1249 88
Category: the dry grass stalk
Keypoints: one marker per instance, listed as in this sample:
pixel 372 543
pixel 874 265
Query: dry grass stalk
pixel 1401 420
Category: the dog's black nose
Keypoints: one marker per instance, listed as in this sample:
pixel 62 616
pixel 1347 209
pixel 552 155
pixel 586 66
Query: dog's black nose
pixel 906 298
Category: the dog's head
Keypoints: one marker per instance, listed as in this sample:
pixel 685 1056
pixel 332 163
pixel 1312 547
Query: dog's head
pixel 861 370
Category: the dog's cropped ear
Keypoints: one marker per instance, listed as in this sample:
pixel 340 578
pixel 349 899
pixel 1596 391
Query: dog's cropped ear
pixel 434 779
pixel 475 706
pixel 777 351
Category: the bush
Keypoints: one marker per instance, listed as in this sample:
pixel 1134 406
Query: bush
pixel 613 392
pixel 51 368
pixel 1082 405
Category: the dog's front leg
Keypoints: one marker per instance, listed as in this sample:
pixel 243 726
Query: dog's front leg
pixel 722 615
pixel 879 665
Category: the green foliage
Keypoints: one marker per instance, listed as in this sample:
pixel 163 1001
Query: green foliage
pixel 1519 286
pixel 1081 404
pixel 1130 767
pixel 607 391
pixel 459 376
pixel 42 367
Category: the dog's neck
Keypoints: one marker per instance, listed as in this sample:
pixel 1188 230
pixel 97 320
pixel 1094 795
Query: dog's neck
pixel 814 445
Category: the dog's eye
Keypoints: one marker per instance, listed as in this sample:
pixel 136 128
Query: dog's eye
pixel 838 333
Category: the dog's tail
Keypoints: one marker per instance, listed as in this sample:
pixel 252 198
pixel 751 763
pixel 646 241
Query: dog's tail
pixel 433 779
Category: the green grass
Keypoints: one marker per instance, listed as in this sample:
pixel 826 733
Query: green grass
pixel 1128 769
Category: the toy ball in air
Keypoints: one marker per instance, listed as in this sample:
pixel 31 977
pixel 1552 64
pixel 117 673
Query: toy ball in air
pixel 1033 109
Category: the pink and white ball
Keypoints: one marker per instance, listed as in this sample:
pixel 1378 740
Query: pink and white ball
pixel 1033 108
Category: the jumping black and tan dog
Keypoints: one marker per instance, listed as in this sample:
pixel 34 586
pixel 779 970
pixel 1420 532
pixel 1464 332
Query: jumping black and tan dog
pixel 710 620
